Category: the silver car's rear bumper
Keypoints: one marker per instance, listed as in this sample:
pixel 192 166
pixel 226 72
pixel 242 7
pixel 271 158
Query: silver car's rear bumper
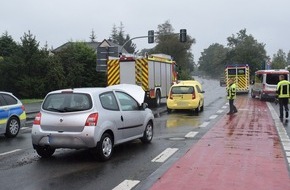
pixel 74 140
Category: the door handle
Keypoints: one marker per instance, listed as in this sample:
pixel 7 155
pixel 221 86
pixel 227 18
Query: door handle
pixel 122 118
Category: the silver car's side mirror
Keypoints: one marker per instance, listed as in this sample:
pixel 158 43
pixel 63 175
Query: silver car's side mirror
pixel 144 105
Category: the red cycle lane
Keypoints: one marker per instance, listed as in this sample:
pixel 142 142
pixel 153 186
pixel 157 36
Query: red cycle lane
pixel 241 151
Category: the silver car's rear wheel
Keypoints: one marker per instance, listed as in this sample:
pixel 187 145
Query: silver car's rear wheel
pixel 105 147
pixel 44 151
pixel 148 133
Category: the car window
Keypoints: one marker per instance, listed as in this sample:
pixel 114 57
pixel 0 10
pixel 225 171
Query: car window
pixel 198 89
pixel 108 101
pixel 67 102
pixel 127 102
pixel 274 78
pixel 2 101
pixel 258 78
pixel 8 99
pixel 182 90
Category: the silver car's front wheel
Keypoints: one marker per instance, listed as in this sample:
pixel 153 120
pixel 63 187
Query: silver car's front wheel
pixel 148 133
pixel 105 147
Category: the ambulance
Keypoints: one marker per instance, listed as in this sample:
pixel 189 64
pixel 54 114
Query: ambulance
pixel 241 75
pixel 265 83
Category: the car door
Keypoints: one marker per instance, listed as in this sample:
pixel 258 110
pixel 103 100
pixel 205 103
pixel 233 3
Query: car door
pixel 133 116
pixel 4 112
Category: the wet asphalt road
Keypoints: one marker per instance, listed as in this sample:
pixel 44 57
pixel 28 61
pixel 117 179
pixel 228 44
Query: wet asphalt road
pixel 75 169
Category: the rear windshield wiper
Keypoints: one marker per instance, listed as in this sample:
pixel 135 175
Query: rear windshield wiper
pixel 55 109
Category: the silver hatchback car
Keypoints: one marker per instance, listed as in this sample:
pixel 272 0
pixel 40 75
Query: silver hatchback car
pixel 93 118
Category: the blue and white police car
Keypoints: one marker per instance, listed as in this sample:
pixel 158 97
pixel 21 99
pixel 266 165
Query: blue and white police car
pixel 12 114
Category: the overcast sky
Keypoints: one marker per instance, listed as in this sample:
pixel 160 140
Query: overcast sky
pixel 56 22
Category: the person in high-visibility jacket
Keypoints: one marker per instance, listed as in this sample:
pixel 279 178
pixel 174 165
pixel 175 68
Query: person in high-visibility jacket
pixel 232 93
pixel 283 93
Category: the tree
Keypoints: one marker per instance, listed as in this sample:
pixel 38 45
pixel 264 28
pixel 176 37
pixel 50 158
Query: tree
pixel 288 59
pixel 8 70
pixel 279 60
pixel 168 43
pixel 114 35
pixel 244 49
pixel 93 36
pixel 55 76
pixel 33 67
pixel 118 37
pixel 212 60
pixel 7 45
pixel 79 65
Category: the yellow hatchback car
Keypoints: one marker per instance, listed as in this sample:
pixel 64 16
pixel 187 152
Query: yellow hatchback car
pixel 186 95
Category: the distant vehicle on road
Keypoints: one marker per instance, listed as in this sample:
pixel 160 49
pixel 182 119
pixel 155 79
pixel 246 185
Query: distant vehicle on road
pixel 222 81
pixel 241 75
pixel 91 118
pixel 12 114
pixel 185 95
pixel 265 83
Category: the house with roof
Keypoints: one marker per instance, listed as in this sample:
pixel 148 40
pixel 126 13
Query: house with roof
pixel 94 46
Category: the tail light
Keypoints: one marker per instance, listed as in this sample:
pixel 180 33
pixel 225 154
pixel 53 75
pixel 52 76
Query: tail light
pixel 170 96
pixel 152 93
pixel 37 119
pixel 92 120
pixel 193 95
pixel 23 108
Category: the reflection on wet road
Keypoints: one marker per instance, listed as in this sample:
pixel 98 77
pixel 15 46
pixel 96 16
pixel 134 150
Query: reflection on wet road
pixel 182 119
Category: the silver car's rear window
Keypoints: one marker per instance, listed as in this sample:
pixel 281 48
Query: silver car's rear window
pixel 67 102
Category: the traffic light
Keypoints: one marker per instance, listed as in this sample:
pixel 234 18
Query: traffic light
pixel 151 36
pixel 182 35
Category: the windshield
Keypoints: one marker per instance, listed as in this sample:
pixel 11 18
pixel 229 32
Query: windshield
pixel 67 102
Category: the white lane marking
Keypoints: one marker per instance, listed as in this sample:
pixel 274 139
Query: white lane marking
pixel 23 128
pixel 224 107
pixel 12 151
pixel 204 124
pixel 126 185
pixel 213 117
pixel 191 134
pixel 281 132
pixel 163 156
pixel 220 111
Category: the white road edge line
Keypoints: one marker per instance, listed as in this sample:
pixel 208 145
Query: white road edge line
pixel 5 153
pixel 281 132
pixel 126 185
pixel 163 156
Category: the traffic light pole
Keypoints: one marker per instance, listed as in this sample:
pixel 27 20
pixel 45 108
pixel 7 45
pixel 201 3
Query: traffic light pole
pixel 182 37
pixel 131 40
